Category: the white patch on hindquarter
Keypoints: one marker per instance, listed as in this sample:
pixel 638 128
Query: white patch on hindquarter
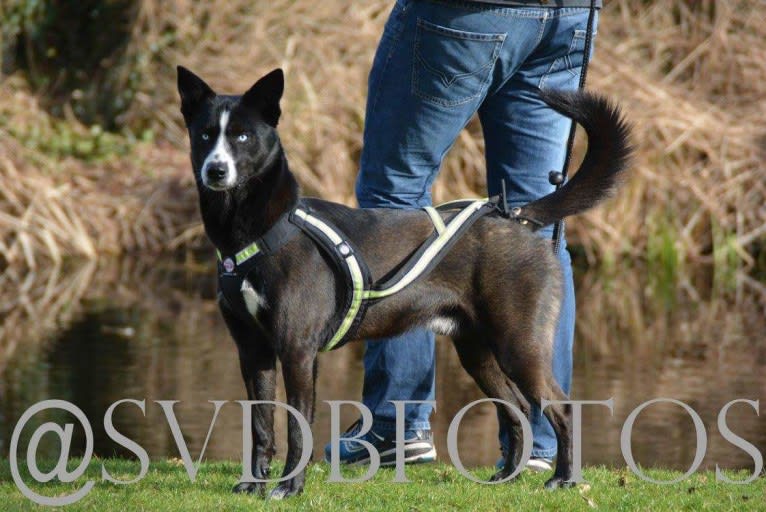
pixel 442 325
pixel 253 301
pixel 221 153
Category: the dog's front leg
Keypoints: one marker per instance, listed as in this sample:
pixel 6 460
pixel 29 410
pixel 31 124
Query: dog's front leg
pixel 257 362
pixel 258 365
pixel 299 372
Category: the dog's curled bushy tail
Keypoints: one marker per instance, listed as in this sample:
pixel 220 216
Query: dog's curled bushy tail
pixel 605 162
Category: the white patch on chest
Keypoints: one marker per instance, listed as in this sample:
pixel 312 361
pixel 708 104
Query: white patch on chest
pixel 253 301
pixel 221 154
pixel 442 325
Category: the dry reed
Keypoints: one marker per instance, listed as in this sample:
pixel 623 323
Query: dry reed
pixel 55 207
pixel 691 76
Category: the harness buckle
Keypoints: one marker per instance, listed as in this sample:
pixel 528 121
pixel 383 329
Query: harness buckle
pixel 516 212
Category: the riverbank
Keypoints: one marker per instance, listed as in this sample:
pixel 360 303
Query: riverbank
pixel 68 191
pixel 432 487
pixel 94 161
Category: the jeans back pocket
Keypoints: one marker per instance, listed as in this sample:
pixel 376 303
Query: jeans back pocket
pixel 565 69
pixel 451 67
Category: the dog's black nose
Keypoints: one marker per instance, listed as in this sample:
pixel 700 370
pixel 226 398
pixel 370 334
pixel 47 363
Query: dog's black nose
pixel 216 171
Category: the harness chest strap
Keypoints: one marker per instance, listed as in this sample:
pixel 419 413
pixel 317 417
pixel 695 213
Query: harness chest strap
pixel 233 270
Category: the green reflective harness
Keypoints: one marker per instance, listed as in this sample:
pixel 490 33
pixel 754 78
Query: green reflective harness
pixel 360 290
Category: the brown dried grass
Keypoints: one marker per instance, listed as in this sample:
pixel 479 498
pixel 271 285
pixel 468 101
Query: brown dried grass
pixel 690 75
pixel 53 207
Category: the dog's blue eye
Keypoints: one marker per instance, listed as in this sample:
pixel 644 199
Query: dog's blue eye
pixel 242 137
pixel 205 136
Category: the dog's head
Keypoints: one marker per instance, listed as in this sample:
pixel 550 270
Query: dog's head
pixel 233 138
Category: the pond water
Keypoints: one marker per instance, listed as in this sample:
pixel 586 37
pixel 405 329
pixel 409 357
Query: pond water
pixel 95 333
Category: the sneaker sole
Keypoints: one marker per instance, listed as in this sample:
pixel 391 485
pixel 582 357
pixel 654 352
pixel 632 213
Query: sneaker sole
pixel 536 466
pixel 416 453
pixel 423 453
pixel 539 466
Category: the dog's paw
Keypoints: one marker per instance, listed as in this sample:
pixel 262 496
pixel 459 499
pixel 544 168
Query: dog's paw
pixel 284 490
pixel 503 474
pixel 558 482
pixel 249 488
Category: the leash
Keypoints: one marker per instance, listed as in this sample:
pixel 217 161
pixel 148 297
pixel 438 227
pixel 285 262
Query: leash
pixel 558 178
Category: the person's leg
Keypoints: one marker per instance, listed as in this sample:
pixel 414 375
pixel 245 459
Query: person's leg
pixel 525 140
pixel 431 71
pixel 412 119
pixel 394 369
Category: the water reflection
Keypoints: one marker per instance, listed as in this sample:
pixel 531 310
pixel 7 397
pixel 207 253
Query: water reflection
pixel 95 334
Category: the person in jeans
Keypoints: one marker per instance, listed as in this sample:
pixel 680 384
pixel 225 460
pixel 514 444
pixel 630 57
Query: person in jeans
pixel 438 63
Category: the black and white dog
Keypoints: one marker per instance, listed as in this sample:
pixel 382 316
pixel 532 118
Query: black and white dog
pixel 496 293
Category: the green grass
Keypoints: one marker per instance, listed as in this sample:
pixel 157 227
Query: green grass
pixel 433 487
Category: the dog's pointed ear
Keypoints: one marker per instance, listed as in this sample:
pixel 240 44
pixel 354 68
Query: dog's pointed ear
pixel 265 95
pixel 193 91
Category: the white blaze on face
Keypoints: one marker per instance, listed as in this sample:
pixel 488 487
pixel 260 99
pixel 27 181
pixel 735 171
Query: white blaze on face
pixel 220 155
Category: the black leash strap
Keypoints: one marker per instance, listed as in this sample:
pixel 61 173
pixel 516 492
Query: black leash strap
pixel 559 178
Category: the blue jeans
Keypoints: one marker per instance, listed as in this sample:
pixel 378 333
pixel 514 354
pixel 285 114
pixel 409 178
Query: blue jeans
pixel 437 64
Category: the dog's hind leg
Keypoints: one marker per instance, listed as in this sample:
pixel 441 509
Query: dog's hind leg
pixel 533 375
pixel 521 337
pixel 560 416
pixel 478 360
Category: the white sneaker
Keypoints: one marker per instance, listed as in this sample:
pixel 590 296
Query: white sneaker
pixel 538 465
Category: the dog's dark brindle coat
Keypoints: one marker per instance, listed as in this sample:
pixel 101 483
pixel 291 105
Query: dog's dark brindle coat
pixel 499 285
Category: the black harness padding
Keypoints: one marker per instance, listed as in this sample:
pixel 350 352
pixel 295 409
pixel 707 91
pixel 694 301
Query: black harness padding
pixel 347 262
pixel 231 279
